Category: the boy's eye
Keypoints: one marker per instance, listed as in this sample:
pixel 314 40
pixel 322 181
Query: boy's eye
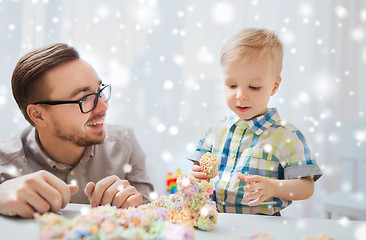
pixel 254 88
pixel 231 86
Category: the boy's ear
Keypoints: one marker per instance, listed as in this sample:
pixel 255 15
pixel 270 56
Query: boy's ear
pixel 35 113
pixel 276 85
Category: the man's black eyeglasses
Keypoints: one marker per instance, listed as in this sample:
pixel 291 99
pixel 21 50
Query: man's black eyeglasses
pixel 88 102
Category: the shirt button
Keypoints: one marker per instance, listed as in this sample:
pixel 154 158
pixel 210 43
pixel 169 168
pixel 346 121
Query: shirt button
pixel 232 155
pixel 239 131
pixel 72 172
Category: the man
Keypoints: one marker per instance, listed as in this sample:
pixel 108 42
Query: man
pixel 68 145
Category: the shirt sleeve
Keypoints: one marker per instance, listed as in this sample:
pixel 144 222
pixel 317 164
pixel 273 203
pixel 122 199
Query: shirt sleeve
pixel 204 145
pixel 297 159
pixel 138 176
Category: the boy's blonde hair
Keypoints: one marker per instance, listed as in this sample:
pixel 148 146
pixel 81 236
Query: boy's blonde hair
pixel 253 43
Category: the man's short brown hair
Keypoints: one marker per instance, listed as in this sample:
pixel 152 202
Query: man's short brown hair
pixel 28 83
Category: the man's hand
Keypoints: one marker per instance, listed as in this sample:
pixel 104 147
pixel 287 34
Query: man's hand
pixel 260 188
pixel 114 191
pixel 36 192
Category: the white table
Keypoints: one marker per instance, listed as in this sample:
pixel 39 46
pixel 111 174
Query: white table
pixel 229 226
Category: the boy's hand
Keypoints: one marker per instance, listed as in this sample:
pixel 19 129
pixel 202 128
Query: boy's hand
pixel 198 172
pixel 36 192
pixel 261 188
pixel 114 191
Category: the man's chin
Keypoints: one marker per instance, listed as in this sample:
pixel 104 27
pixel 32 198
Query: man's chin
pixel 91 140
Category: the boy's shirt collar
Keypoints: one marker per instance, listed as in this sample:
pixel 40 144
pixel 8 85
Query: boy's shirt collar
pixel 259 124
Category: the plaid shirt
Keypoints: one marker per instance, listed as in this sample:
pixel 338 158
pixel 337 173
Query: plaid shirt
pixel 265 146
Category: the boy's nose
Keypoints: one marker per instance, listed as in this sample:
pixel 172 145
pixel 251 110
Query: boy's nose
pixel 240 95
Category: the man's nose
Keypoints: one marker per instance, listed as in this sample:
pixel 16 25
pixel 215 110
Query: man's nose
pixel 101 106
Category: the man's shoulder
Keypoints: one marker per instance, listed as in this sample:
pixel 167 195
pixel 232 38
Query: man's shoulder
pixel 14 147
pixel 118 132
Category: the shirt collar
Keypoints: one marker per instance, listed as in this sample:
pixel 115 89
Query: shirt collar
pixel 259 124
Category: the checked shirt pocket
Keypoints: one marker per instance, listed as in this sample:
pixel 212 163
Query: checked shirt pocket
pixel 256 161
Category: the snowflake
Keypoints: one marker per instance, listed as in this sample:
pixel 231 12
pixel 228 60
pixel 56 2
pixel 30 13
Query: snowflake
pixel 168 84
pixel 11 27
pixel 341 11
pixel 363 15
pixel 190 147
pixel 268 148
pixel 166 156
pixel 153 195
pixel 360 232
pixel 103 11
pixel 360 135
pixel 288 38
pixel 204 55
pixel 304 97
pixel 306 10
pixel 127 168
pixel 178 59
pixel 84 210
pixel 173 130
pixel 74 182
pixel 223 13
pixel 357 34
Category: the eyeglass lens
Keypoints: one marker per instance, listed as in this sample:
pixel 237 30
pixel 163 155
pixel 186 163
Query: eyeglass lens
pixel 90 102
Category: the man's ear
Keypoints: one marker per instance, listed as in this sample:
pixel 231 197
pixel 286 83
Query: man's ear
pixel 276 85
pixel 35 113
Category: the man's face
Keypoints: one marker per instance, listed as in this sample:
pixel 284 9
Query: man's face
pixel 72 81
pixel 249 85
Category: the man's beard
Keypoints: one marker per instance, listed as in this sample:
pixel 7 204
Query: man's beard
pixel 77 138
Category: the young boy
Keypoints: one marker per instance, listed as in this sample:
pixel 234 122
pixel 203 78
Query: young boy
pixel 264 162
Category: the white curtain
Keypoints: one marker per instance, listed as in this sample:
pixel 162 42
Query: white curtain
pixel 162 59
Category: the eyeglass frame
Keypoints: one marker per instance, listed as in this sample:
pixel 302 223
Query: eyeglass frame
pixel 80 101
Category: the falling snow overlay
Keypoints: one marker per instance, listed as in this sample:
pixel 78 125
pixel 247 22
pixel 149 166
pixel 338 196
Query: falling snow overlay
pixel 163 61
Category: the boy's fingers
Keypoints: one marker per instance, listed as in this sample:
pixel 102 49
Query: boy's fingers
pixel 241 177
pixel 200 175
pixel 253 186
pixel 253 195
pixel 196 168
pixel 257 201
pixel 254 178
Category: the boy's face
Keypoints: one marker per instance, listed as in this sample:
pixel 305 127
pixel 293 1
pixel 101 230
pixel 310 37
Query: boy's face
pixel 72 81
pixel 249 85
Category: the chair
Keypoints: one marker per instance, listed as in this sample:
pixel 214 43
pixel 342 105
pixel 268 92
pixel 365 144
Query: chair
pixel 350 146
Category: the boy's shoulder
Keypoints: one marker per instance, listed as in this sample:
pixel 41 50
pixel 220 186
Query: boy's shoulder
pixel 287 130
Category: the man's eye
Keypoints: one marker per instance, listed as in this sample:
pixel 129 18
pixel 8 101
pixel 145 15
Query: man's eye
pixel 254 88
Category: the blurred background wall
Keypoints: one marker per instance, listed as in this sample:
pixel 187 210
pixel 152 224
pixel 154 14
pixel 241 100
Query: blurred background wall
pixel 162 59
